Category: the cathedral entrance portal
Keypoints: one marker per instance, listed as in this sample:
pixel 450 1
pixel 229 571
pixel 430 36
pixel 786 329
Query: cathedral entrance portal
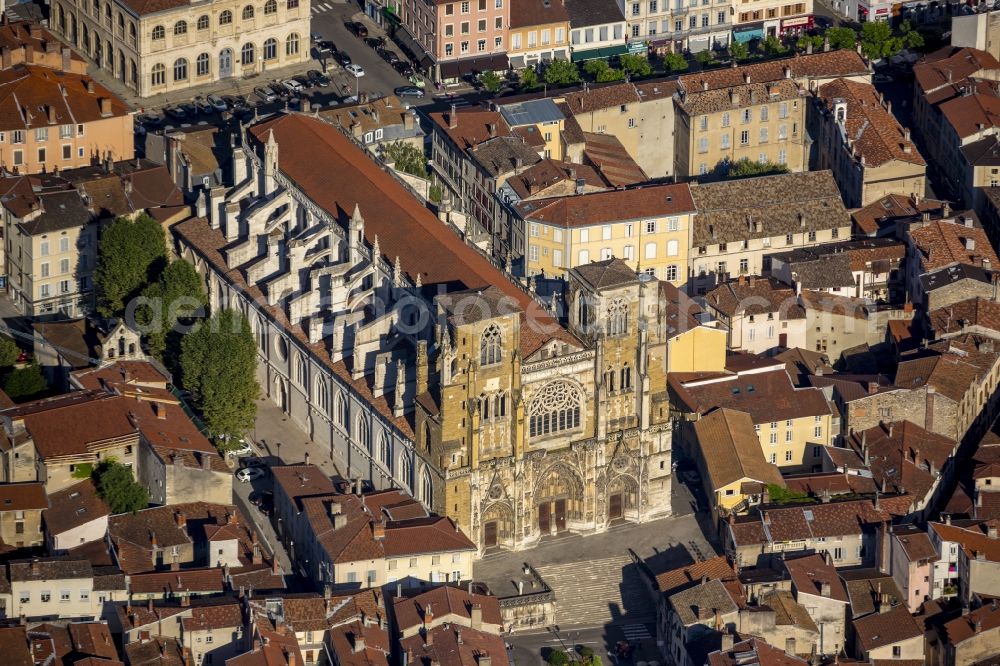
pixel 559 499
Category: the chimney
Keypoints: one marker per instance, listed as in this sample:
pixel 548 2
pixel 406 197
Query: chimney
pixel 970 244
pixel 485 659
pixel 872 388
pixel 491 129
pixel 292 660
pixel 428 616
pixel 67 58
pixel 580 185
pixel 206 461
pixel 378 530
pixel 186 600
pixel 181 519
pixel 105 103
pixel 477 616
pixel 359 643
pixel 458 636
pixel 727 641
pixel 90 86
pixel 790 647
pixel 824 589
pixel 453 117
pixel 51 112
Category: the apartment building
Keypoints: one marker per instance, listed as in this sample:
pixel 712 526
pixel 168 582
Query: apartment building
pixel 818 588
pixel 759 315
pixel 648 228
pixel 848 530
pixel 155 48
pixel 52 587
pixel 457 38
pixel 865 268
pixel 792 424
pixel 679 25
pixel 597 29
pixel 21 509
pixel 856 136
pixel 539 33
pixel 931 246
pixel 911 559
pixel 738 223
pixel 51 230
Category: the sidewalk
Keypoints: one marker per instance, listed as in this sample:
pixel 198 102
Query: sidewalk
pixel 277 436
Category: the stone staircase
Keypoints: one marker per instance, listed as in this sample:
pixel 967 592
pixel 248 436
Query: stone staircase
pixel 598 592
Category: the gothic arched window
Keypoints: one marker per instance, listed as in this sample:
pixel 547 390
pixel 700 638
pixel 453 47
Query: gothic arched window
pixel 617 317
pixel 555 408
pixel 491 346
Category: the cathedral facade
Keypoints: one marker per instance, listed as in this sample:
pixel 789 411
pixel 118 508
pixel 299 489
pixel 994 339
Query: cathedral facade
pixel 415 362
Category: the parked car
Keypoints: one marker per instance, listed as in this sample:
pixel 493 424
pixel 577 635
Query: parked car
pixel 243 448
pixel 326 46
pixel 359 29
pixel 344 59
pixel 409 91
pixel 403 68
pixel 279 89
pixel 882 78
pixel 176 112
pixel 217 103
pixel 150 120
pixel 304 80
pixel 191 109
pixel 390 56
pixel 357 70
pixel 315 38
pixel 375 42
pixel 248 474
pixel 265 94
pixel 259 497
pixel 318 78
pixel 204 106
pixel 294 86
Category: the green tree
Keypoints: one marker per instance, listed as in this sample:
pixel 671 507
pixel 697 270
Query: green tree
pixel 636 65
pixel 841 37
pixel 675 62
pixel 746 168
pixel 910 37
pixel 130 255
pixel 529 78
pixel 816 41
pixel 877 40
pixel 9 351
pixel 781 495
pixel 218 365
pixel 176 296
pixel 491 81
pixel 773 47
pixel 119 489
pixel 739 50
pixel 601 72
pixel 557 658
pixel 561 73
pixel 705 57
pixel 407 158
pixel 25 383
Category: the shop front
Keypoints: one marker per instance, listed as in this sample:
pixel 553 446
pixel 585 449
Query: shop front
pixel 748 32
pixel 796 25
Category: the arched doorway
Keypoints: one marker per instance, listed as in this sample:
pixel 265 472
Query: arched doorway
pixel 558 499
pixel 225 63
pixel 623 499
pixel 498 526
pixel 280 394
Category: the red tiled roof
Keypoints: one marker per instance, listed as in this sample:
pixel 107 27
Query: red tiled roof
pixel 74 506
pixel 984 618
pixel 472 127
pixel 882 629
pixel 810 573
pixel 942 244
pixel 23 497
pixel 169 583
pixel 671 581
pixel 444 601
pixel 601 207
pixel 31 90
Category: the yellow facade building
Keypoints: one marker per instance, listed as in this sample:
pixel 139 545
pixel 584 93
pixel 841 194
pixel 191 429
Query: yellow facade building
pixel 730 460
pixel 539 33
pixel 648 228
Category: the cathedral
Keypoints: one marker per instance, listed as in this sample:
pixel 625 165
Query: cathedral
pixel 416 362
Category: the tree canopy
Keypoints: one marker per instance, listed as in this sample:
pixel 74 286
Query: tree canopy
pixel 602 72
pixel 25 383
pixel 119 489
pixel 841 37
pixel 130 255
pixel 218 365
pixel 561 73
pixel 176 296
pixel 739 50
pixel 877 40
pixel 529 78
pixel 635 65
pixel 675 62
pixel 9 351
pixel 491 81
pixel 745 168
pixel 407 157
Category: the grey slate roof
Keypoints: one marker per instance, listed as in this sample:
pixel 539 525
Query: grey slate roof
pixel 952 274
pixel 62 210
pixel 531 112
pixel 606 274
pixel 709 595
pixel 584 13
pixel 500 155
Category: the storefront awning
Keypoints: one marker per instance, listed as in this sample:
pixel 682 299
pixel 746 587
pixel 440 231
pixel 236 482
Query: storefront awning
pixel 749 34
pixel 390 15
pixel 517 62
pixel 411 47
pixel 560 54
pixel 594 54
pixel 457 68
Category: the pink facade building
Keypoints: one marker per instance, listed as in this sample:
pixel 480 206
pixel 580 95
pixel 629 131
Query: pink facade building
pixel 457 38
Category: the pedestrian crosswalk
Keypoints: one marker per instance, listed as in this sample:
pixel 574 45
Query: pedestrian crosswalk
pixel 320 7
pixel 635 632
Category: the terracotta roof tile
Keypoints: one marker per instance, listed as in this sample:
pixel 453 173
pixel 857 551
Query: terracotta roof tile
pixel 23 497
pixel 183 581
pixel 697 101
pixel 24 89
pixel 943 243
pixel 602 207
pixel 445 647
pixel 719 567
pixel 882 629
pixel 882 214
pixel 77 505
pixel 984 618
pixel 876 133
pixel 902 455
pixel 445 601
pixel 731 449
pixel 825 65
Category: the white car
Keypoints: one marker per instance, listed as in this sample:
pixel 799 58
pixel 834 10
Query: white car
pixel 294 86
pixel 356 70
pixel 248 474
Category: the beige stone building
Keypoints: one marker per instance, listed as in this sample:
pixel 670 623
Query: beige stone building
pixel 856 136
pixel 42 588
pixel 21 507
pixel 738 223
pixel 159 47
